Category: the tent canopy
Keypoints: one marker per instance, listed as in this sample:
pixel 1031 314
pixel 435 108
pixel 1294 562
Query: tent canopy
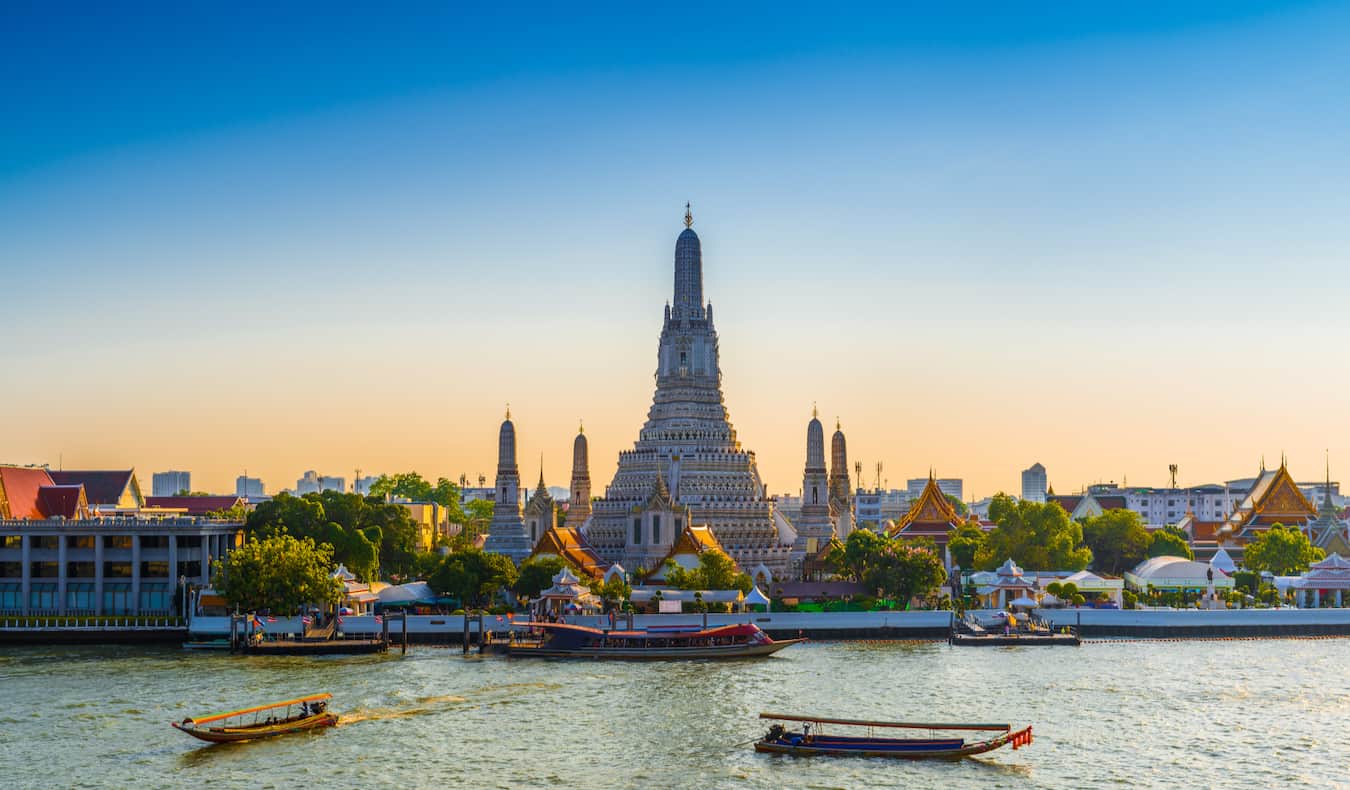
pixel 756 598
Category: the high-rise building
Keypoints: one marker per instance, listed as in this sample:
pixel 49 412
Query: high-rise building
pixel 1033 484
pixel 361 485
pixel 687 456
pixel 951 486
pixel 313 483
pixel 246 486
pixel 170 483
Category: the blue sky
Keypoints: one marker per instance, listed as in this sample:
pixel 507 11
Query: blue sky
pixel 230 219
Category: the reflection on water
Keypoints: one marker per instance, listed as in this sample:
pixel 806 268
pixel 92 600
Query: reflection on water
pixel 1137 714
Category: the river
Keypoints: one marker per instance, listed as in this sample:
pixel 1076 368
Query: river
pixel 1259 713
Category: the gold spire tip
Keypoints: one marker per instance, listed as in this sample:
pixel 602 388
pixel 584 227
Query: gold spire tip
pixel 688 215
pixel 508 411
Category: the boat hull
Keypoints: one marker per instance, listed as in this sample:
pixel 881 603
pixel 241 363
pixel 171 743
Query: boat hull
pixel 651 653
pixel 258 732
pixel 892 749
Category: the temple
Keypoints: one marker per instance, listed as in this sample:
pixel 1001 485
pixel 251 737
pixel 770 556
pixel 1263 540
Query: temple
pixel 687 462
pixel 841 490
pixel 506 532
pixel 815 525
pixel 930 516
pixel 579 502
pixel 1273 499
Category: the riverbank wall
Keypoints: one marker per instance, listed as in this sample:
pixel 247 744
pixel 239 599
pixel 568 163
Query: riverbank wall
pixel 919 625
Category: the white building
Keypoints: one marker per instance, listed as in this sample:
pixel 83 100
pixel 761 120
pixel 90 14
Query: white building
pixel 1034 484
pixel 313 483
pixel 361 485
pixel 951 486
pixel 249 487
pixel 170 483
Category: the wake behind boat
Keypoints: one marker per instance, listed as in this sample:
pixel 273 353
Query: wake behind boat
pixel 561 640
pixel 263 721
pixel 812 739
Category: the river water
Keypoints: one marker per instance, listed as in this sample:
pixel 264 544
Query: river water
pixel 1262 713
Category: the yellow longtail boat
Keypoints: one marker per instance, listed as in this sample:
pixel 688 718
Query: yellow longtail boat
pixel 263 721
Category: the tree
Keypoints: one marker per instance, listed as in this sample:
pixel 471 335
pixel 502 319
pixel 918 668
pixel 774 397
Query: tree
pixel 905 569
pixel 367 534
pixel 1036 536
pixel 473 576
pixel 1118 541
pixel 961 508
pixel 408 485
pixel 963 542
pixel 536 573
pixel 715 571
pixel 477 516
pixel 613 592
pixel 280 573
pixel 1281 550
pixel 899 568
pixel 1167 543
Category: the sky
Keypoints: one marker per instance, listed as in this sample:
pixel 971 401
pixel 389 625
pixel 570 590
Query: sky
pixel 1104 237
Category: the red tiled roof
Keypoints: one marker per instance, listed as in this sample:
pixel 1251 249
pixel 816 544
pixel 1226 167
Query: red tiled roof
pixel 1112 502
pixel 63 501
pixel 100 487
pixel 19 486
pixel 1067 501
pixel 195 505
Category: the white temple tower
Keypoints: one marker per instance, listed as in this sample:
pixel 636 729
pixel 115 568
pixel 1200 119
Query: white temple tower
pixel 841 490
pixel 689 436
pixel 814 527
pixel 579 504
pixel 506 533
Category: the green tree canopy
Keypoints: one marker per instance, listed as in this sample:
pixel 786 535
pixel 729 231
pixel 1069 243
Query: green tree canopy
pixel 536 573
pixel 1166 542
pixel 899 568
pixel 1281 550
pixel 963 542
pixel 715 571
pixel 473 576
pixel 1118 541
pixel 367 534
pixel 279 573
pixel 961 507
pixel 1037 536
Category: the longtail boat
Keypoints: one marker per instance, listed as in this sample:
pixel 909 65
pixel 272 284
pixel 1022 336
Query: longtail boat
pixel 263 721
pixel 561 640
pixel 812 739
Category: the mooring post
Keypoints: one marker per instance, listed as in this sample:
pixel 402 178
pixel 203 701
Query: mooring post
pixel 384 631
pixel 405 632
pixel 466 633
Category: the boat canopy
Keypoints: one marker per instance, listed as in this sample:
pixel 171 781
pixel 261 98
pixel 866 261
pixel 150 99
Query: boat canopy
pixel 244 712
pixel 866 723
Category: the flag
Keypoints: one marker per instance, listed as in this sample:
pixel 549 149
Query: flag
pixel 378 619
pixel 499 618
pixel 307 619
pixel 271 619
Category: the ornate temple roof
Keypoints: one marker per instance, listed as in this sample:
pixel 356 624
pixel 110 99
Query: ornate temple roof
pixel 1274 499
pixel 569 544
pixel 931 515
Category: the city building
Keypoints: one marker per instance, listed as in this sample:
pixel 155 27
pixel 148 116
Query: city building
pixel 249 487
pixel 60 557
pixel 170 483
pixel 313 483
pixel 361 485
pixel 952 486
pixel 687 451
pixel 877 508
pixel 1034 483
